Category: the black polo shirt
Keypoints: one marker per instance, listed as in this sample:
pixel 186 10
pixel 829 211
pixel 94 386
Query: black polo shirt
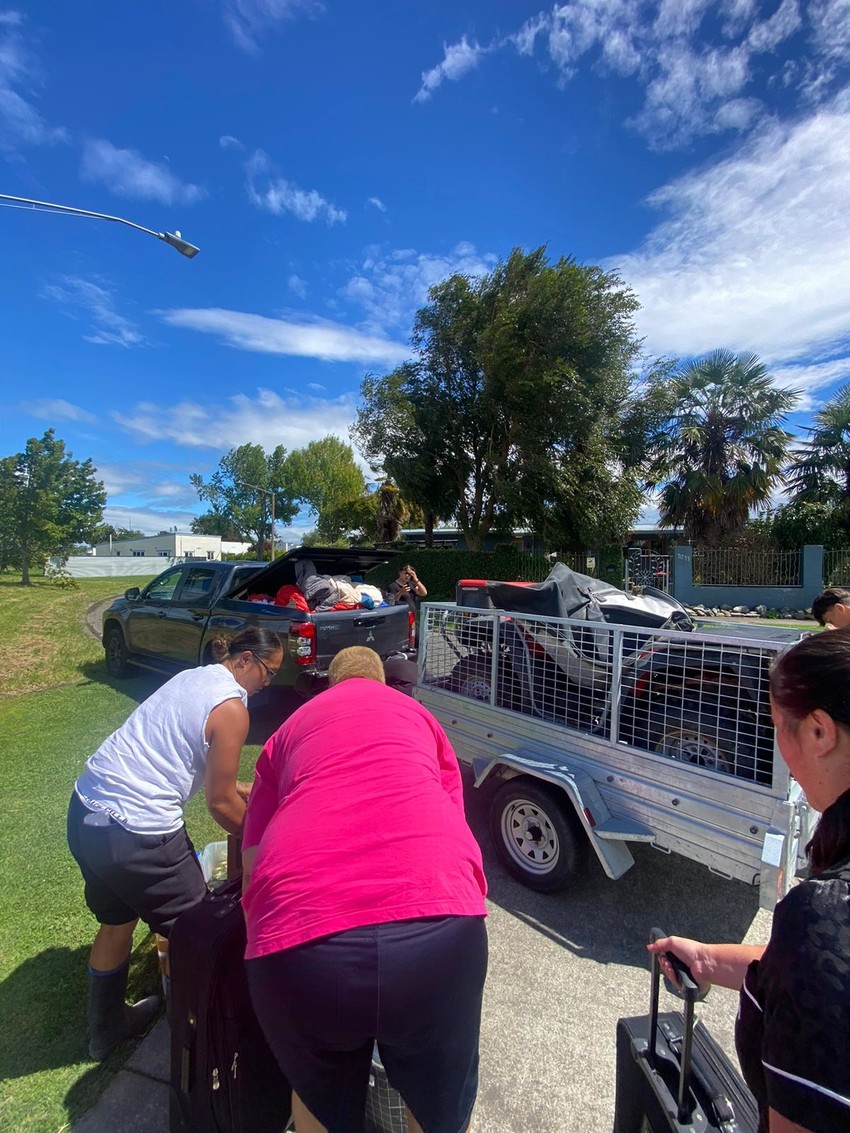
pixel 793 1028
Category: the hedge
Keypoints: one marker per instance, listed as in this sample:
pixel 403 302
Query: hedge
pixel 441 570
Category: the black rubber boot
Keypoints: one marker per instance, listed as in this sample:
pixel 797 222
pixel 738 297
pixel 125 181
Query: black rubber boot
pixel 111 1020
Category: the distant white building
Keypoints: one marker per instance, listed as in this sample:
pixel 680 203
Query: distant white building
pixel 232 548
pixel 166 545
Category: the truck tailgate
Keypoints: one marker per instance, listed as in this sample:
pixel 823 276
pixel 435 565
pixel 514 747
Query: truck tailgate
pixel 384 629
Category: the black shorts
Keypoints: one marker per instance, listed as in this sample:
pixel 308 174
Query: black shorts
pixel 415 987
pixel 152 876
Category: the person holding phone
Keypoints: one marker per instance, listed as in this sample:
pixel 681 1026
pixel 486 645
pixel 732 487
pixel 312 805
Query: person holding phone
pixel 407 587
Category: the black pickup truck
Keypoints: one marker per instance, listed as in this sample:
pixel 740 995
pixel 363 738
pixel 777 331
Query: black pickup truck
pixel 171 623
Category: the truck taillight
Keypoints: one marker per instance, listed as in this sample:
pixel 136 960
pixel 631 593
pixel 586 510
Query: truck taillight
pixel 302 642
pixel 411 629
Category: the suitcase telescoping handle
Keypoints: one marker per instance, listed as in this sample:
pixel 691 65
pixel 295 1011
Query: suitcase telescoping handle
pixel 690 991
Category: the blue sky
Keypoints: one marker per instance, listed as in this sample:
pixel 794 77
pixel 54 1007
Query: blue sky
pixel 332 160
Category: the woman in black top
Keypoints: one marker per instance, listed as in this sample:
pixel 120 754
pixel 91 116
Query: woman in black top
pixel 793 1028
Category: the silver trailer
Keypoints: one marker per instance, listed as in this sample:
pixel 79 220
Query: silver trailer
pixel 603 734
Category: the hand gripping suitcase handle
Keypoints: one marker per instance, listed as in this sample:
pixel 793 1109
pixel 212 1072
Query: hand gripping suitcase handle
pixel 691 991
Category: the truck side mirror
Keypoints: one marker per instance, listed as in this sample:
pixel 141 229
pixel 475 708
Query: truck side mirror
pixel 132 594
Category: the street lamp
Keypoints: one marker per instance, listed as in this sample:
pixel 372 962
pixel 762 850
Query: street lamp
pixel 172 238
pixel 266 492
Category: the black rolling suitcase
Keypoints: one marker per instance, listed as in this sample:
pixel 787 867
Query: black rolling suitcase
pixel 672 1075
pixel 224 1078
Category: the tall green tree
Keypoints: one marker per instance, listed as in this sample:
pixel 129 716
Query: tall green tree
pixel 721 446
pixel 393 438
pixel 240 491
pixel 513 408
pixel 49 501
pixel 324 475
pixel 820 471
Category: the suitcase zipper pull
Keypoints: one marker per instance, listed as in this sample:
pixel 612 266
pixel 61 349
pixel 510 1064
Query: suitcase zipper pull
pixel 215 1081
pixel 233 1066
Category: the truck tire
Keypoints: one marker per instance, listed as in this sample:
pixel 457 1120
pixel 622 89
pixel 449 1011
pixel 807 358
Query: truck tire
pixel 709 738
pixel 537 835
pixel 116 653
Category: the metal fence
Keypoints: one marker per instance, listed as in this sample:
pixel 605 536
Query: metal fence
pixel 702 699
pixel 643 568
pixel 836 567
pixel 736 567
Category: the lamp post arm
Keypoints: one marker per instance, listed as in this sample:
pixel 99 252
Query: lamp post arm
pixel 174 239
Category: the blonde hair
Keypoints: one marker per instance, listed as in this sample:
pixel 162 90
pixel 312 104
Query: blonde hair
pixel 356 661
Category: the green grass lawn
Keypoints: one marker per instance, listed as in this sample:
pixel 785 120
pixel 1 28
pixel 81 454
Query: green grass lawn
pixel 46 1080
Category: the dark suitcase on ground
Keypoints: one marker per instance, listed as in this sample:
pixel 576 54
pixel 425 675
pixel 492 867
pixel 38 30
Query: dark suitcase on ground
pixel 384 1106
pixel 672 1075
pixel 224 1078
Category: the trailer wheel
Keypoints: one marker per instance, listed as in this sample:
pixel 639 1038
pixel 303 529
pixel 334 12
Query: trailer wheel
pixel 537 835
pixel 116 653
pixel 709 738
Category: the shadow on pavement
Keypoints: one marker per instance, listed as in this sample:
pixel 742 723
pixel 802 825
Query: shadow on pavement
pixel 609 921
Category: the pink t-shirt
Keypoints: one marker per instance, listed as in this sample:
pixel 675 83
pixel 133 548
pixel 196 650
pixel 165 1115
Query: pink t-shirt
pixel 357 809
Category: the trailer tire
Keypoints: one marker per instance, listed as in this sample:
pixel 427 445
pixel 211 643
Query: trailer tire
pixel 116 656
pixel 537 835
pixel 708 737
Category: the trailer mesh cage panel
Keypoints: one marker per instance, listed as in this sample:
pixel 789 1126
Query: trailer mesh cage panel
pixel 698 697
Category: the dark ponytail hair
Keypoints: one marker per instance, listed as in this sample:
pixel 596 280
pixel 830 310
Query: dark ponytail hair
pixel 262 642
pixel 814 674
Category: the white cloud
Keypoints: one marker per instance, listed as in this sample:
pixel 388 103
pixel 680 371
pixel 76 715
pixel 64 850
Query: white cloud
pixel 297 285
pixel 458 60
pixel 697 61
pixel 227 141
pixel 147 519
pixel 328 341
pixel 754 249
pixel 21 123
pixel 391 285
pixel 275 194
pixel 127 173
pixel 266 419
pixel 56 409
pixel 249 20
pixel 377 203
pixel 96 301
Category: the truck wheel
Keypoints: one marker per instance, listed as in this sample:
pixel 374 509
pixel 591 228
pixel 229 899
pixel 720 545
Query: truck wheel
pixel 536 835
pixel 471 677
pixel 709 738
pixel 116 653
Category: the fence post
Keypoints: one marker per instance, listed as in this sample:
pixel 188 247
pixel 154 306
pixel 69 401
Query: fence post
pixel 683 575
pixel 811 572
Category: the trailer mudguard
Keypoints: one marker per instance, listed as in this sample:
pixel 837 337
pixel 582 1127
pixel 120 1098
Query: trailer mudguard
pixel 607 835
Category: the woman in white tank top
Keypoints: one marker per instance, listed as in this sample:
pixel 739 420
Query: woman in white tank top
pixel 125 819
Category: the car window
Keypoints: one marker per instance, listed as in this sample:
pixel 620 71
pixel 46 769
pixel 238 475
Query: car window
pixel 198 583
pixel 241 577
pixel 162 588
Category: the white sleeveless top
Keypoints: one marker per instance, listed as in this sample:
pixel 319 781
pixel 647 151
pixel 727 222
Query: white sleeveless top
pixel 145 772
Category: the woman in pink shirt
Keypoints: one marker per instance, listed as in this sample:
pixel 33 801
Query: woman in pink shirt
pixel 364 903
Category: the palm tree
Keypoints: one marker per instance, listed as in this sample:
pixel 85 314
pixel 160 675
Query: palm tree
pixel 721 449
pixel 820 471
